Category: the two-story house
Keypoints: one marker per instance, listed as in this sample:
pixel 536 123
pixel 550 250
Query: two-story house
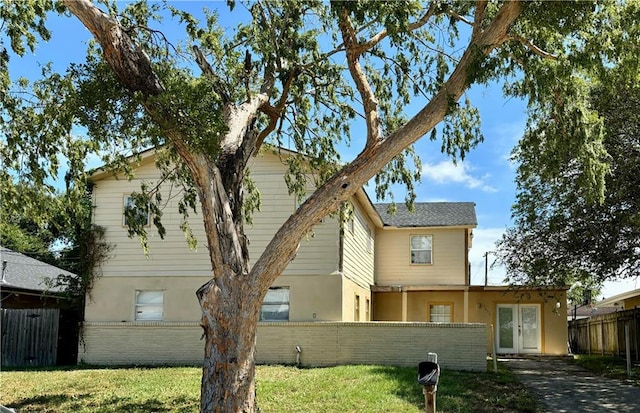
pixel 373 267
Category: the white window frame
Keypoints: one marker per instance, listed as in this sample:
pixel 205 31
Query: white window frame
pixel 149 305
pixel 412 249
pixel 279 297
pixel 127 201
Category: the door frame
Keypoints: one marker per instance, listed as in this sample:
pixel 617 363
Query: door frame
pixel 518 347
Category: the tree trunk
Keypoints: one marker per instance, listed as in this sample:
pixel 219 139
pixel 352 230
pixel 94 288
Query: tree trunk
pixel 229 319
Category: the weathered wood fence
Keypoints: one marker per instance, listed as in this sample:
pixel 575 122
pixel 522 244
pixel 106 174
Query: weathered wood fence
pixel 29 337
pixel 604 334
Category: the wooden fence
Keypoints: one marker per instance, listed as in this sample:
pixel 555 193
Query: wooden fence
pixel 605 334
pixel 29 337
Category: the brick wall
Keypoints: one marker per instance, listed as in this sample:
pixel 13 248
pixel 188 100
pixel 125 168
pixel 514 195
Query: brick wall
pixel 459 346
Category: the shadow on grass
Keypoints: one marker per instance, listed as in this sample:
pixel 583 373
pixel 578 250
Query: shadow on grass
pixel 406 381
pixel 64 402
pixel 84 366
pixel 465 391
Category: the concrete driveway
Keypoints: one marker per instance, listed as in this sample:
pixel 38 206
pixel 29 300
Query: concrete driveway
pixel 565 387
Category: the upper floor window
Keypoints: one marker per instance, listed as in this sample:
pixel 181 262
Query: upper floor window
pixel 133 213
pixel 421 248
pixel 275 306
pixel 149 305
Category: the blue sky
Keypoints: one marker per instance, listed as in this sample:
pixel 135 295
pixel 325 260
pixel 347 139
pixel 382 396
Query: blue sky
pixel 485 177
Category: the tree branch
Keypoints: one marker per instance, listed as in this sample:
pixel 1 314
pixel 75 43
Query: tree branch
pixel 349 179
pixel 129 62
pixel 363 47
pixel 481 7
pixel 460 18
pixel 133 69
pixel 207 70
pixel 274 112
pixel 368 98
pixel 535 49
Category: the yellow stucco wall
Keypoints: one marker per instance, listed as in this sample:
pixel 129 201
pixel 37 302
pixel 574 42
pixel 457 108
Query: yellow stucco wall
pixel 387 306
pixel 481 309
pixel 352 292
pixel 312 298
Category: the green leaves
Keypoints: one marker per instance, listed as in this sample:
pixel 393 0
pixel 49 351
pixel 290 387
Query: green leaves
pixel 577 213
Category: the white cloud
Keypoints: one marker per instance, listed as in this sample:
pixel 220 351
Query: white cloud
pixel 484 240
pixel 448 172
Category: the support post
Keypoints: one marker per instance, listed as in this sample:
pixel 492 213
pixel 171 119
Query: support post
pixel 493 349
pixel 627 343
pixel 430 398
pixel 404 304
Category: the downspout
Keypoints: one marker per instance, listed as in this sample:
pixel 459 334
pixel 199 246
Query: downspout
pixel 341 248
pixel 467 265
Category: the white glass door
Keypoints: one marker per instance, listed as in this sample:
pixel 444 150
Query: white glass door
pixel 518 328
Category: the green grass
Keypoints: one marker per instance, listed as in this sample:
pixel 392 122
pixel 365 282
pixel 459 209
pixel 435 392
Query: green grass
pixel 609 366
pixel 280 389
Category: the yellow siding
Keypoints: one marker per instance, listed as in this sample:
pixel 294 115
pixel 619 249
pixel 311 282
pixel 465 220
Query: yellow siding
pixel 631 303
pixel 318 254
pixel 359 249
pixel 393 258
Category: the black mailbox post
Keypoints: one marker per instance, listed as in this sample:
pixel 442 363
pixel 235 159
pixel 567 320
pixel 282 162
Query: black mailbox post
pixel 428 376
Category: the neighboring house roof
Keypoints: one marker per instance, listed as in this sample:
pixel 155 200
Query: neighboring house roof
pixel 619 298
pixel 588 310
pixel 430 214
pixel 21 271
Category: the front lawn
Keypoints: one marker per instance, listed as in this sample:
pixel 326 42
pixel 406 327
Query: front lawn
pixel 280 389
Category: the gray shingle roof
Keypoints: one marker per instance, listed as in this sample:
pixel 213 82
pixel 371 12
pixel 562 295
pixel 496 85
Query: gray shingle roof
pixel 26 272
pixel 430 214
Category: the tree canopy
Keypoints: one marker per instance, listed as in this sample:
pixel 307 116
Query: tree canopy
pixel 563 234
pixel 308 76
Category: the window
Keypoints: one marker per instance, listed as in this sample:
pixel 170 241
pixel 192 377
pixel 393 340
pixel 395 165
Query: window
pixel 367 315
pixel 149 305
pixel 356 315
pixel 275 306
pixel 138 215
pixel 440 313
pixel 421 249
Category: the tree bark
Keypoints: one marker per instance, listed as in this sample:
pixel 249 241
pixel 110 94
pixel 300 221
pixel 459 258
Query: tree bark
pixel 229 318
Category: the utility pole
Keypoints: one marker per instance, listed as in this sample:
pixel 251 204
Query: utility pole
pixel 486 268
